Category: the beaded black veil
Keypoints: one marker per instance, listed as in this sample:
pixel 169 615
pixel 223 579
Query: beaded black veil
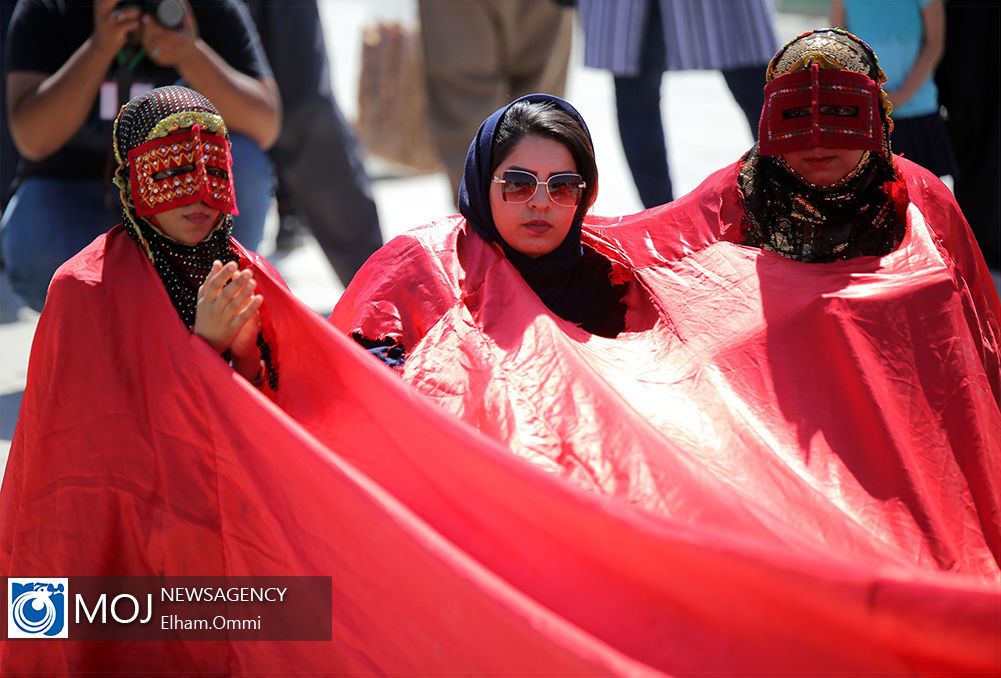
pixel 181 267
pixel 862 214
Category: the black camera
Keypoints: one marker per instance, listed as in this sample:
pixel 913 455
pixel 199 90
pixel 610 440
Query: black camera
pixel 169 13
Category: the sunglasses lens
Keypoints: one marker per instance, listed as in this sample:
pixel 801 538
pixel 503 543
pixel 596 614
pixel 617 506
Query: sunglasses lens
pixel 565 189
pixel 518 186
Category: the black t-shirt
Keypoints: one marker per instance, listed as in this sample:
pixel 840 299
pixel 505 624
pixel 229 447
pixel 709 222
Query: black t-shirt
pixel 44 34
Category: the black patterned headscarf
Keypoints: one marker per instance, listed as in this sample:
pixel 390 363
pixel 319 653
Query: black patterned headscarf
pixel 864 213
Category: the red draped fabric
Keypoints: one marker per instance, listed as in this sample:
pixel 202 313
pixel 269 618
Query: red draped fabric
pixel 781 467
pixel 854 402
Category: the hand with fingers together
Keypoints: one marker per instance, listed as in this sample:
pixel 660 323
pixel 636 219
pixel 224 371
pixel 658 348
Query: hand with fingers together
pixel 226 316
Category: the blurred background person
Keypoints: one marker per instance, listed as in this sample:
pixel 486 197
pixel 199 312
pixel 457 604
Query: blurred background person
pixel 322 182
pixel 909 37
pixel 70 67
pixel 479 56
pixel 968 79
pixel 637 40
pixel 8 153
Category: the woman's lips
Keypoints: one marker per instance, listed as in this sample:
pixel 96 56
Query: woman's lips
pixel 537 226
pixel 198 218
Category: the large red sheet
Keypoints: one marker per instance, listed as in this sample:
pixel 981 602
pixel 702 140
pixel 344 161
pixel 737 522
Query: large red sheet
pixel 139 452
pixel 849 401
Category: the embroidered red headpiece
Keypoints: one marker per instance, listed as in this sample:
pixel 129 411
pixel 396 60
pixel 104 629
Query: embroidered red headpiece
pixel 182 169
pixel 820 108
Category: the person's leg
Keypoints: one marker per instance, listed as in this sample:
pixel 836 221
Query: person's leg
pixel 463 79
pixel 254 180
pixel 292 37
pixel 8 152
pixel 292 230
pixel 536 40
pixel 45 223
pixel 317 158
pixel 968 87
pixel 747 84
pixel 330 187
pixel 641 129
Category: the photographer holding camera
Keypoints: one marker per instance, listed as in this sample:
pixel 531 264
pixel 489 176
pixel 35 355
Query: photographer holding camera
pixel 70 67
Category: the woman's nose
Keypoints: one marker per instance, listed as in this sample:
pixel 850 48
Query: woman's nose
pixel 541 198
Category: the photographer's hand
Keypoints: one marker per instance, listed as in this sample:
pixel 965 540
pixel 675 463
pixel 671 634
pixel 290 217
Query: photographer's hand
pixel 250 105
pixel 170 47
pixel 112 25
pixel 46 109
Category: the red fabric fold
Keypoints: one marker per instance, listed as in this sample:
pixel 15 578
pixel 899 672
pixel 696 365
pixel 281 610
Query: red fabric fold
pixel 855 402
pixel 694 513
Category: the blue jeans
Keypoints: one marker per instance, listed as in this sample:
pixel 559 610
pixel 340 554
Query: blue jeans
pixel 638 111
pixel 48 220
pixel 254 176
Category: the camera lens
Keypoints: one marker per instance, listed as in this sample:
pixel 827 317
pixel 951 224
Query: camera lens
pixel 170 13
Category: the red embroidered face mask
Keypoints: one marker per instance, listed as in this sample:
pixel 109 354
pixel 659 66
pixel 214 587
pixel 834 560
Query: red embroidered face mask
pixel 182 169
pixel 820 108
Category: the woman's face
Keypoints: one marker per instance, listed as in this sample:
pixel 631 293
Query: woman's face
pixel 189 224
pixel 538 225
pixel 823 166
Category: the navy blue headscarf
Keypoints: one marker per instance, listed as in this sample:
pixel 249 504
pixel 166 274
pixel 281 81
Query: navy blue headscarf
pixel 573 282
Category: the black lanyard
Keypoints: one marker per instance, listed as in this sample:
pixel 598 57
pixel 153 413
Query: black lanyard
pixel 125 73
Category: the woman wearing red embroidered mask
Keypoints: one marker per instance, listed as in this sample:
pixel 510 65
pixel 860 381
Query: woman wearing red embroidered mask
pixel 821 184
pixel 174 175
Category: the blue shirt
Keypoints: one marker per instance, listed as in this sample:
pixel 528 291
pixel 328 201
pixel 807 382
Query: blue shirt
pixel 895 31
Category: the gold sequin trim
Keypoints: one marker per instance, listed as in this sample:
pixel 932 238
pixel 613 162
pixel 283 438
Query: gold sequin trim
pixel 184 119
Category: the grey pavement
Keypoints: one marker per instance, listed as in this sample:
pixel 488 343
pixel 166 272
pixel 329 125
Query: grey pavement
pixel 705 131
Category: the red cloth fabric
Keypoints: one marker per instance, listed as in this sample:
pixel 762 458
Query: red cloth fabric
pixel 138 451
pixel 854 402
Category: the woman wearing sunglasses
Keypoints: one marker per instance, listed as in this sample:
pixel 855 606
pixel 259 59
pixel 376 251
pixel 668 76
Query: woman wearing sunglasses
pixel 530 177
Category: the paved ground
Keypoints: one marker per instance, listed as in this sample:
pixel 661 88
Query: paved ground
pixel 704 126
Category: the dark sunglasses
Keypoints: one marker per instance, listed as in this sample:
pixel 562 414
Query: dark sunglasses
pixel 565 190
